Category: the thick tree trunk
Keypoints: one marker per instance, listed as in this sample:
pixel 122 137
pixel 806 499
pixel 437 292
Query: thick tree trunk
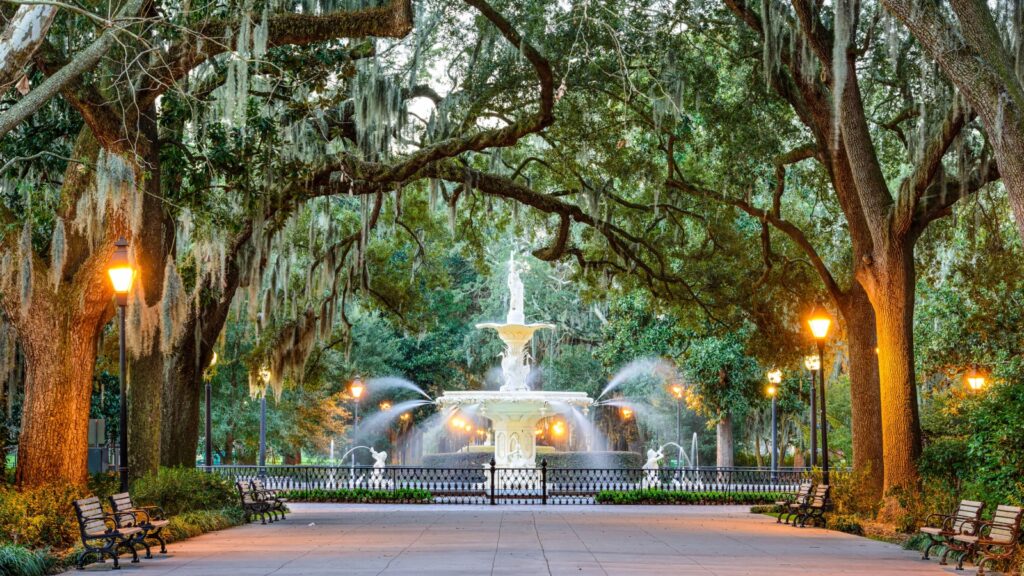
pixel 152 249
pixel 1009 157
pixel 724 457
pixel 865 393
pixel 182 398
pixel 60 350
pixel 892 296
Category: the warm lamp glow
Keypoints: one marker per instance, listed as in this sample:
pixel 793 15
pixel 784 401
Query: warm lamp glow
pixel 819 322
pixel 775 376
pixel 975 379
pixel 356 388
pixel 812 363
pixel 772 390
pixel 385 406
pixel 677 391
pixel 213 360
pixel 120 270
pixel 405 417
pixel 627 413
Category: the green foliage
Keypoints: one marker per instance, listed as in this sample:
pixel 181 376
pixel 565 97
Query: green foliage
pixel 724 377
pixel 42 516
pixel 844 523
pixel 673 497
pixel 196 522
pixel 179 490
pixel 405 495
pixel 18 561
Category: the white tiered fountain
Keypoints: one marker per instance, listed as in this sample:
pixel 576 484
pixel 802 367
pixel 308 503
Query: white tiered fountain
pixel 514 410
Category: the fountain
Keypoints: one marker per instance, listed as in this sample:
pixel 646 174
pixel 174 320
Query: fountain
pixel 514 409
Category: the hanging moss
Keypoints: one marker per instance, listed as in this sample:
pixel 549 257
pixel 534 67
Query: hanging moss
pixel 25 256
pixel 58 253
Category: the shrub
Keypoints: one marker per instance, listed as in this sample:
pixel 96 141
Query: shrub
pixel 18 561
pixel 414 495
pixel 196 522
pixel 764 509
pixel 179 490
pixel 674 497
pixel 844 523
pixel 41 516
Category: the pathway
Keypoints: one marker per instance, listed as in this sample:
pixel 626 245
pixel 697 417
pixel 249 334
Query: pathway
pixel 437 540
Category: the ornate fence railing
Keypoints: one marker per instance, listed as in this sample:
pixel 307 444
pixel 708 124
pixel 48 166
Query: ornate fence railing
pixel 492 485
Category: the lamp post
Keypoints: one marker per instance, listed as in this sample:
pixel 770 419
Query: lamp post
pixel 265 376
pixel 819 323
pixel 677 391
pixel 121 276
pixel 813 364
pixel 208 457
pixel 356 390
pixel 774 379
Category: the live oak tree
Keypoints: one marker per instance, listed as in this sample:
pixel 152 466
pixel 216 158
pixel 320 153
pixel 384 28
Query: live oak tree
pixel 112 188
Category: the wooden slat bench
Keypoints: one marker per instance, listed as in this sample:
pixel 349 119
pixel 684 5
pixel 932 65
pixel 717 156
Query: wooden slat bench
pixel 252 505
pixel 939 528
pixel 150 519
pixel 100 533
pixel 817 505
pixel 272 497
pixel 993 540
pixel 788 508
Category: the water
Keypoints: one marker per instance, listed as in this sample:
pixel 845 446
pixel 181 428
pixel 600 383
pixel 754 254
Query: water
pixel 395 382
pixel 377 423
pixel 657 367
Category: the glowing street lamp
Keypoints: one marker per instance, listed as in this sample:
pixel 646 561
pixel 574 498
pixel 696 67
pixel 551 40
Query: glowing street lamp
pixel 677 392
pixel 265 377
pixel 627 413
pixel 208 456
pixel 121 275
pixel 819 322
pixel 384 406
pixel 774 379
pixel 975 379
pixel 813 364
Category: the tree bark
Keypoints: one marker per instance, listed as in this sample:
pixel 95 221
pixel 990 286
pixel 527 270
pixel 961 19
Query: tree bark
pixel 891 289
pixel 60 350
pixel 152 249
pixel 724 457
pixel 865 394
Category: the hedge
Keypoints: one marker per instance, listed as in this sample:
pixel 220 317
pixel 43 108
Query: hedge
pixel 674 497
pixel 407 495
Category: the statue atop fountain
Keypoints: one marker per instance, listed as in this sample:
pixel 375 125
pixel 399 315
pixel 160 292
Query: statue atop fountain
pixel 514 410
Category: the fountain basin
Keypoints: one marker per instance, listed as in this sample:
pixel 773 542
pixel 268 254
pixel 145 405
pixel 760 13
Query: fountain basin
pixel 514 415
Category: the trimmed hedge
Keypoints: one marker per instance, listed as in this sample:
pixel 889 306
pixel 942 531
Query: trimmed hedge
pixel 554 459
pixel 408 495
pixel 674 497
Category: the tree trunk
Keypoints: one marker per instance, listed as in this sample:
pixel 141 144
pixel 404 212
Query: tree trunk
pixel 60 350
pixel 865 394
pixel 892 296
pixel 182 398
pixel 724 430
pixel 152 249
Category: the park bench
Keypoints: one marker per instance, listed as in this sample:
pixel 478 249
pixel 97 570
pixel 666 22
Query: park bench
pixel 992 540
pixel 252 504
pixel 816 506
pixel 151 519
pixel 789 507
pixel 271 496
pixel 100 533
pixel 939 528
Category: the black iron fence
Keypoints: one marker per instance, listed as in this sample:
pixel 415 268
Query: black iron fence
pixel 493 485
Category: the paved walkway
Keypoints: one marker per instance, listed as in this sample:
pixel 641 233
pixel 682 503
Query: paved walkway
pixel 527 540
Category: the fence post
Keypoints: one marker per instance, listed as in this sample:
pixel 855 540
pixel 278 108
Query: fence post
pixel 493 470
pixel 544 481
